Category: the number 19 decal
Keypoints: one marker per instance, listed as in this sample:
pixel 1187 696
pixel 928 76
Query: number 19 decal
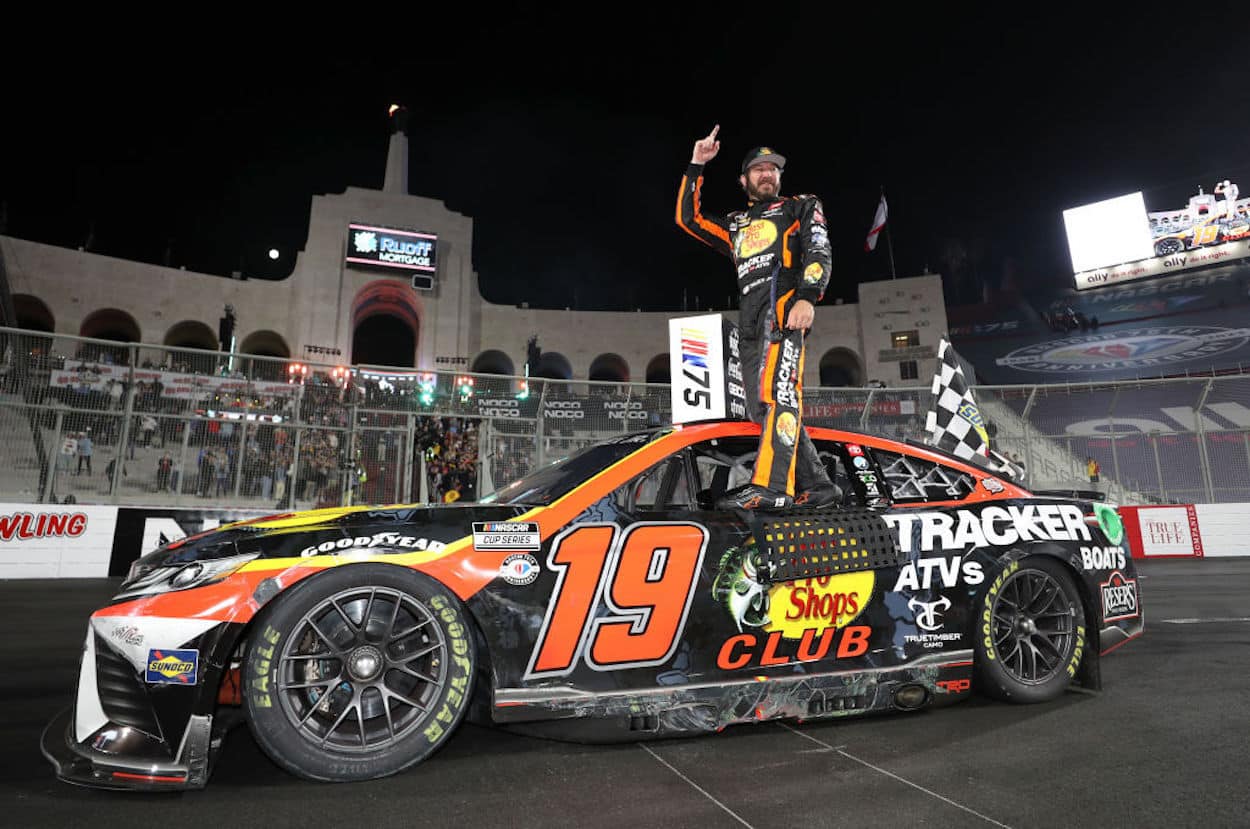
pixel 646 578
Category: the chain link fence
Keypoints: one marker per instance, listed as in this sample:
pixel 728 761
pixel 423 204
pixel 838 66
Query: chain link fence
pixel 92 421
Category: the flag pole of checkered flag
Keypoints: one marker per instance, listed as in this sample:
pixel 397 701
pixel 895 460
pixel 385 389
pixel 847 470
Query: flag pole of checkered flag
pixel 954 422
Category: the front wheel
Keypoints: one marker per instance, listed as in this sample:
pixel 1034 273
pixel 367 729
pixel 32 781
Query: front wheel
pixel 1031 633
pixel 358 673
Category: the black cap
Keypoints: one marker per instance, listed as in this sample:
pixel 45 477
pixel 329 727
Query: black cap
pixel 762 155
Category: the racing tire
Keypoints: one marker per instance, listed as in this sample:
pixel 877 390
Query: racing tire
pixel 1167 247
pixel 359 672
pixel 1030 633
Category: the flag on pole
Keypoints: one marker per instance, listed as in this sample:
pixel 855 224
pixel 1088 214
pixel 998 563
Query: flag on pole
pixel 878 223
pixel 954 422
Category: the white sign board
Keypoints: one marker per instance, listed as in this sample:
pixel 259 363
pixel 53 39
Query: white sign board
pixel 38 542
pixel 703 387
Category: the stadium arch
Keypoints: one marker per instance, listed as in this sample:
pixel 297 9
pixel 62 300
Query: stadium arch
pixel 841 367
pixel 191 334
pixel 110 324
pixel 553 365
pixel 265 343
pixel 33 314
pixel 386 322
pixel 610 368
pixel 658 370
pixel 493 361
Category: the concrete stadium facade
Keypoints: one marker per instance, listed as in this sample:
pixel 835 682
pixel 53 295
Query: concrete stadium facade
pixel 313 314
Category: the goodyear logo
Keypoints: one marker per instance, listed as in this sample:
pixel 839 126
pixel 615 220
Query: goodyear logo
pixel 172 667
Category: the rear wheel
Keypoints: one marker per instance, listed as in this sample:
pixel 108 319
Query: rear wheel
pixel 358 673
pixel 1031 633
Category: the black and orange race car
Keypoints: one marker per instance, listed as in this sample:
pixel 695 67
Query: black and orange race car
pixel 599 598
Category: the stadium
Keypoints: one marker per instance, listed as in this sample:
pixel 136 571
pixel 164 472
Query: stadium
pixel 146 406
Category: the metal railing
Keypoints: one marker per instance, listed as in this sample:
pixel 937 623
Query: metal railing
pixel 96 421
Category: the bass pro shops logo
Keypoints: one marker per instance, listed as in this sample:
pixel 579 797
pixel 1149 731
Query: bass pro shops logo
pixel 1139 348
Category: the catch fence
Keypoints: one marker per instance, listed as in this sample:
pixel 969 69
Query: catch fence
pixel 95 421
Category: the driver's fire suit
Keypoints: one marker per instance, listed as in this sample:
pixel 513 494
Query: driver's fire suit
pixel 781 250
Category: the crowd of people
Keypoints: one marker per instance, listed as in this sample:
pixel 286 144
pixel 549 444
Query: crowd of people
pixel 449 446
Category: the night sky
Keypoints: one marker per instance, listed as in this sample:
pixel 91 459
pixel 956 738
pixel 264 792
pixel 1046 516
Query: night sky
pixel 566 139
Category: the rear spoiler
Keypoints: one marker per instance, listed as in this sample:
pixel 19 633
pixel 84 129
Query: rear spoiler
pixel 1074 494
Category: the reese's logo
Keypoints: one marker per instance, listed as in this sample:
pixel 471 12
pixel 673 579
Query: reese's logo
pixel 172 667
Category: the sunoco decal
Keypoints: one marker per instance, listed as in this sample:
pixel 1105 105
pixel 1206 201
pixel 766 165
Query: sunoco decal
pixel 506 535
pixel 172 667
pixel 1119 598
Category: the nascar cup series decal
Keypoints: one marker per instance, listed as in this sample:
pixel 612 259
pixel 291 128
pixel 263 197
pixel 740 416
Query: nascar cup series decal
pixel 506 536
pixel 168 666
pixel 801 621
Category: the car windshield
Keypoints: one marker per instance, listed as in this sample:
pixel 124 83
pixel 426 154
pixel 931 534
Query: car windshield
pixel 560 477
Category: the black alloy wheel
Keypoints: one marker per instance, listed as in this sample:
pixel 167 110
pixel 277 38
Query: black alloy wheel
pixel 1030 634
pixel 358 672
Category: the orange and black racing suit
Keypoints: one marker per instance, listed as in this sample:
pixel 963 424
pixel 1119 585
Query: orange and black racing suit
pixel 781 250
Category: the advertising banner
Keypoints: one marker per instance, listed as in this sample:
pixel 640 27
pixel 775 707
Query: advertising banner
pixel 706 369
pixel 47 542
pixel 1163 532
pixel 83 377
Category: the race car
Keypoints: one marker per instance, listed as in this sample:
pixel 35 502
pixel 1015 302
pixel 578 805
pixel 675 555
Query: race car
pixel 602 597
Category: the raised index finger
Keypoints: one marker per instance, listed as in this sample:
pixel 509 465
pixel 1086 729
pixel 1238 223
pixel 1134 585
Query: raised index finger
pixel 712 135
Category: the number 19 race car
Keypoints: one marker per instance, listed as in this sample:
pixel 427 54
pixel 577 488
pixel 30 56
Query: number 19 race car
pixel 599 598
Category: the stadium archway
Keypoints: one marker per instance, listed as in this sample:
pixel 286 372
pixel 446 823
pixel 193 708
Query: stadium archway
pixel 110 324
pixel 493 362
pixel 553 366
pixel 610 368
pixel 658 370
pixel 197 335
pixel 386 317
pixel 191 334
pixel 841 367
pixel 33 314
pixel 265 343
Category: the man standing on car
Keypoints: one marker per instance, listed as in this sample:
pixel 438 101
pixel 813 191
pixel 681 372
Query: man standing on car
pixel 780 248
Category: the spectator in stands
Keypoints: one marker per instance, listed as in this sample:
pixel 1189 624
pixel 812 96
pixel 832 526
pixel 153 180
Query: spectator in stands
pixel 1092 469
pixel 85 451
pixel 164 467
pixel 149 428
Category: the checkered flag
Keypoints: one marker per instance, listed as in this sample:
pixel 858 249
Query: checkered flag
pixel 954 423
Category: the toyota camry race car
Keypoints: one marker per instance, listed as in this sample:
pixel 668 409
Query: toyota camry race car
pixel 599 598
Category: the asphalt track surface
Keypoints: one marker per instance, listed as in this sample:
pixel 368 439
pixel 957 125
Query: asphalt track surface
pixel 1166 743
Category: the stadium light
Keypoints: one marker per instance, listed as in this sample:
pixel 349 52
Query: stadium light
pixel 296 373
pixel 465 384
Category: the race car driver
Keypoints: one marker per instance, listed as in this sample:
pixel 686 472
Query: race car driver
pixel 780 247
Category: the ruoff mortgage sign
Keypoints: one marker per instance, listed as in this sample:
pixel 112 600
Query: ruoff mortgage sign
pixel 400 250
